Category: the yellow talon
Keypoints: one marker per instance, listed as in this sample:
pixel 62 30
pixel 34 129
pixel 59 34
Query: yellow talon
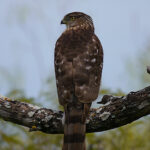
pixel 34 127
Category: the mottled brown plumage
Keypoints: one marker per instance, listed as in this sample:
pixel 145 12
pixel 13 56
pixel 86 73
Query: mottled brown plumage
pixel 78 69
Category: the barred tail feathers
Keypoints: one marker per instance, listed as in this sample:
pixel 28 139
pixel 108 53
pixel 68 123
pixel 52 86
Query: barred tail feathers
pixel 75 128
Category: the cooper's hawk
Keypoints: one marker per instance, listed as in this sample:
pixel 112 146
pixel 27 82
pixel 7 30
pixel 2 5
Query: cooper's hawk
pixel 78 69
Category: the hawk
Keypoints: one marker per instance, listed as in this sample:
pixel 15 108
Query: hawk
pixel 78 69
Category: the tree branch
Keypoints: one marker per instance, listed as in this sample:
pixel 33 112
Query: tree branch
pixel 113 112
pixel 148 69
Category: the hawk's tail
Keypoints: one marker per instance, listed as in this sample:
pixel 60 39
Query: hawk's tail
pixel 75 128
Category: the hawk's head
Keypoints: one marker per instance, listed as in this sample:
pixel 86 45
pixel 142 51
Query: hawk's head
pixel 77 19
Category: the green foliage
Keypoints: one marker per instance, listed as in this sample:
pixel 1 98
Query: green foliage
pixel 15 137
pixel 137 69
pixel 134 136
pixel 110 92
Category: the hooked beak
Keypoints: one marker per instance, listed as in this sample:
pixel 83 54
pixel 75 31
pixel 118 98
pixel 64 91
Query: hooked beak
pixel 63 22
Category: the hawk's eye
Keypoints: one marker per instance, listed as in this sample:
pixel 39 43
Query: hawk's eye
pixel 73 18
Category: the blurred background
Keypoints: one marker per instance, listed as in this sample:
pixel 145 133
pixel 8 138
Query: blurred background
pixel 28 32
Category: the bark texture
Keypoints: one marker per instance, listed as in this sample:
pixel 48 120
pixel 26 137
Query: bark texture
pixel 112 113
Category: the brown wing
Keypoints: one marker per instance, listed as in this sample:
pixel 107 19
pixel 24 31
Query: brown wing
pixel 78 74
pixel 63 70
pixel 87 71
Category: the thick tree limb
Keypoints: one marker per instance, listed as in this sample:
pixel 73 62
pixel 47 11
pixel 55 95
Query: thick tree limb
pixel 115 112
